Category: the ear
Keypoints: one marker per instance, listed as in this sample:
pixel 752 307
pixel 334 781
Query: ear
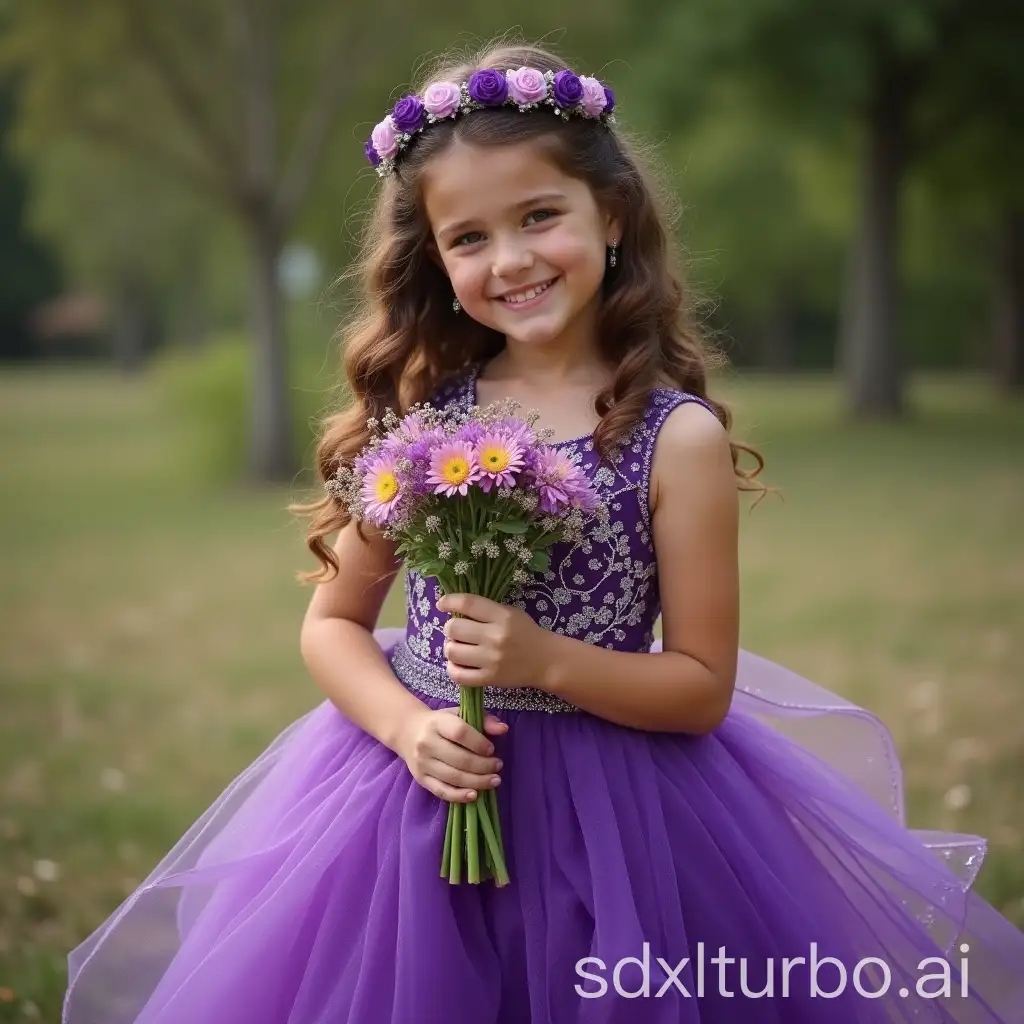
pixel 614 222
pixel 435 255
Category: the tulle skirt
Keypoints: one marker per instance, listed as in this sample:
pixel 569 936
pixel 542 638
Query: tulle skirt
pixel 762 873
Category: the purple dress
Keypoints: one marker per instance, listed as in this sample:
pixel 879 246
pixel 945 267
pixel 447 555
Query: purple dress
pixel 656 877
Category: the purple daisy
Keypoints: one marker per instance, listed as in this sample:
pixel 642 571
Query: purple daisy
pixel 413 427
pixel 561 484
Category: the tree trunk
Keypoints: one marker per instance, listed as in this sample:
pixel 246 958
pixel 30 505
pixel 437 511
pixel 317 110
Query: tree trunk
pixel 270 455
pixel 870 356
pixel 778 335
pixel 130 327
pixel 1008 304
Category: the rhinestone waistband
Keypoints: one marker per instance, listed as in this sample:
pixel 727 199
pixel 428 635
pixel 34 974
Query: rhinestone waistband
pixel 432 680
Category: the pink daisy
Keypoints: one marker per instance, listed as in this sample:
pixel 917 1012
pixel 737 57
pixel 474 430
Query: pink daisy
pixel 453 467
pixel 499 456
pixel 381 490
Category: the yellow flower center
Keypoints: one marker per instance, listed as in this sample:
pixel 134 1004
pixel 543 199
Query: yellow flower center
pixel 386 487
pixel 495 458
pixel 455 470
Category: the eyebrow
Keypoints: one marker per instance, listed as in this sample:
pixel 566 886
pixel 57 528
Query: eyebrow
pixel 544 197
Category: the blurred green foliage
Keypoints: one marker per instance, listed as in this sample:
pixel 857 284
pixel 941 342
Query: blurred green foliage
pixel 206 391
pixel 753 107
pixel 161 169
pixel 29 271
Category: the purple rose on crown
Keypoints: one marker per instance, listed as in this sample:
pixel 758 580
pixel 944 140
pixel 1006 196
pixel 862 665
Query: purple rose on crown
pixel 567 89
pixel 610 97
pixel 408 114
pixel 371 153
pixel 488 87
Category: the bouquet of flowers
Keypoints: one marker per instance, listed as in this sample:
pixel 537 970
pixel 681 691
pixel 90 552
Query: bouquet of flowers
pixel 475 499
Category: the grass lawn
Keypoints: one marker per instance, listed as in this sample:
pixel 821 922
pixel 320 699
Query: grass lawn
pixel 149 626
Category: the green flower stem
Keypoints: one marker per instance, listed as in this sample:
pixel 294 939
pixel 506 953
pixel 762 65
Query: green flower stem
pixel 492 837
pixel 446 856
pixel 495 857
pixel 505 577
pixel 473 822
pixel 486 590
pixel 478 820
pixel 458 834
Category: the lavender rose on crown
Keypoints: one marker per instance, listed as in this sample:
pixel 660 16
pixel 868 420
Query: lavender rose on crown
pixel 564 92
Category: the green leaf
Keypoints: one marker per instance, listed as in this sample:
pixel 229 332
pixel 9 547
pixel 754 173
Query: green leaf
pixel 431 567
pixel 540 561
pixel 510 526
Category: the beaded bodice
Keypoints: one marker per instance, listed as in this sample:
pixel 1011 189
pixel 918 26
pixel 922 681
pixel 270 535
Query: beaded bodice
pixel 603 590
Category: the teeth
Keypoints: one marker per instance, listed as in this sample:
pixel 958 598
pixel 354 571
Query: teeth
pixel 530 293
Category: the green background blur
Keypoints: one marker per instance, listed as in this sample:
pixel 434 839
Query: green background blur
pixel 181 186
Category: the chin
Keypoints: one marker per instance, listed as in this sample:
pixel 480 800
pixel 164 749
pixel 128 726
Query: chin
pixel 536 337
pixel 537 330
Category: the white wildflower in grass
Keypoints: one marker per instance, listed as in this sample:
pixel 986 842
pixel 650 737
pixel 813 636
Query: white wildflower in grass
pixel 112 780
pixel 957 797
pixel 46 870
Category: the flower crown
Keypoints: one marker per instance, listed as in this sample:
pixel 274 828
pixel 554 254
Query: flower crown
pixel 567 93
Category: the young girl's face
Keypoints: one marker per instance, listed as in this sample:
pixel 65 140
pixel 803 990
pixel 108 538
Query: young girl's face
pixel 523 244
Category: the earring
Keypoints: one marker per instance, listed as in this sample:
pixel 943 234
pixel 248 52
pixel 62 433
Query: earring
pixel 611 254
pixel 456 305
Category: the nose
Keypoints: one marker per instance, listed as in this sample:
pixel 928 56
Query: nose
pixel 510 258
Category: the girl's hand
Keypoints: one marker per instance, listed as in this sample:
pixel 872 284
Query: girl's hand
pixel 448 756
pixel 493 644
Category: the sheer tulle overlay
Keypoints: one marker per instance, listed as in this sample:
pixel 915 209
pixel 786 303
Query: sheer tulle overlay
pixel 309 893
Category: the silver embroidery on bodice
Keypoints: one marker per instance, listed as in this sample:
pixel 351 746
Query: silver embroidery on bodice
pixel 603 590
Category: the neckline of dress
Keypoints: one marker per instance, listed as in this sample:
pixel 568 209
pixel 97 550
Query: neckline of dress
pixel 474 372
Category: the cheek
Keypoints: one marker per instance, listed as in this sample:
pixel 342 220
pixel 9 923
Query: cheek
pixel 571 250
pixel 468 276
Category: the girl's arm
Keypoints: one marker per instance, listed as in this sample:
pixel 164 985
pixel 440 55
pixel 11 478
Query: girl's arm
pixel 445 755
pixel 337 640
pixel 695 520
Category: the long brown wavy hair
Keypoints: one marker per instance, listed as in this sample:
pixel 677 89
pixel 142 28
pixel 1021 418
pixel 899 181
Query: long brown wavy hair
pixel 405 340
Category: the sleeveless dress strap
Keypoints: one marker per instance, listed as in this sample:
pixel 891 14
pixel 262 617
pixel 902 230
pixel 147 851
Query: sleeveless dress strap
pixel 662 402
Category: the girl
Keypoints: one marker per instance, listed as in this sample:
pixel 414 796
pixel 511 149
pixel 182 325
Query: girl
pixel 693 834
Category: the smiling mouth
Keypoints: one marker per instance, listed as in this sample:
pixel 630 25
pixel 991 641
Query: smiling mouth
pixel 518 298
